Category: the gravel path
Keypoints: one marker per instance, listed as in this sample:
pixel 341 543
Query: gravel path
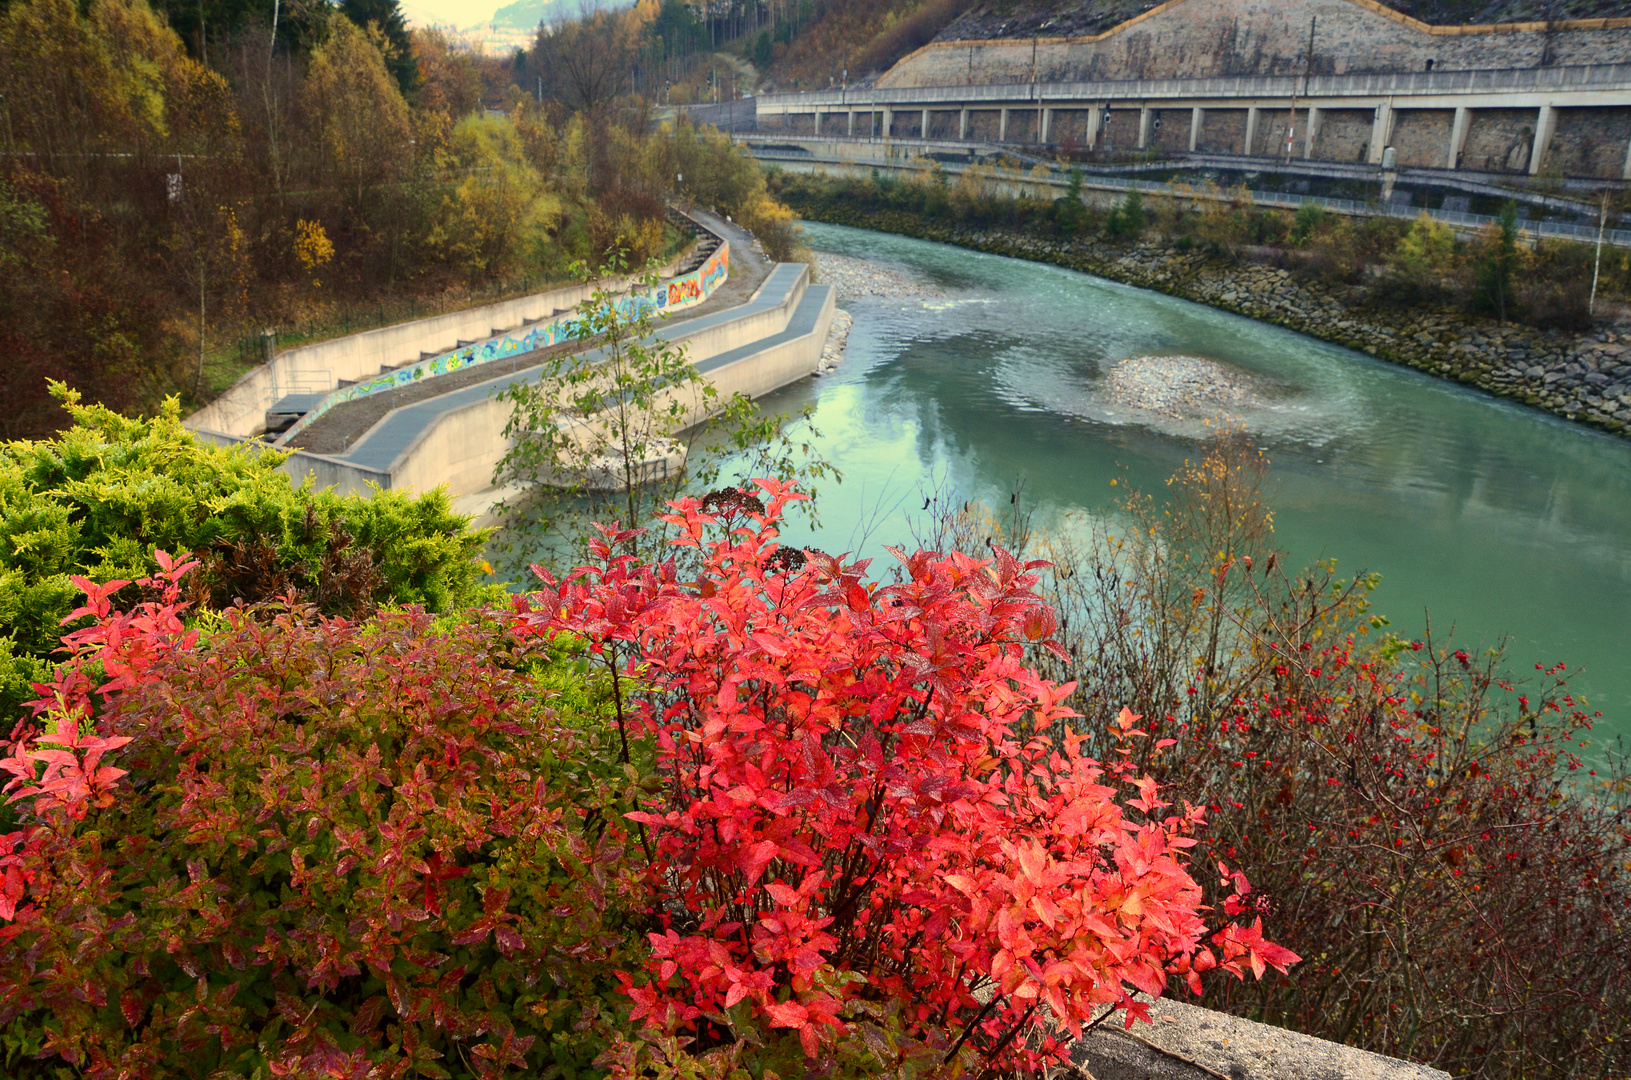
pixel 1182 387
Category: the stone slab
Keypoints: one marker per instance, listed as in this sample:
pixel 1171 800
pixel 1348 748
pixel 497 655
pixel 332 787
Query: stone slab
pixel 1185 1042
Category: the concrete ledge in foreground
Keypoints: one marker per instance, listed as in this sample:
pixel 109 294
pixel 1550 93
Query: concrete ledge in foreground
pixel 1190 1043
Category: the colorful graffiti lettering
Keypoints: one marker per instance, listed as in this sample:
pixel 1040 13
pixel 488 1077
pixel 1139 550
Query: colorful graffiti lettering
pixel 686 289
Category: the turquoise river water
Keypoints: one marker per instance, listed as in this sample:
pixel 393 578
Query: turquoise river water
pixel 1484 514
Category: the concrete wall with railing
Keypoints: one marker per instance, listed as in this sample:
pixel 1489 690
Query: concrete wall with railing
pixel 464 446
pixel 769 343
pixel 676 294
pixel 1258 37
pixel 1569 120
pixel 860 157
pixel 320 367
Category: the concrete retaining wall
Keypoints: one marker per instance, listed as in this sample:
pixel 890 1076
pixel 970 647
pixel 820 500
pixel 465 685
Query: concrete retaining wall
pixel 320 367
pixel 674 295
pixel 345 477
pixel 462 447
pixel 1262 37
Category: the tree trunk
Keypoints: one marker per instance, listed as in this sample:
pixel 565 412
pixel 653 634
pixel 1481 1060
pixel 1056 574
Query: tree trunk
pixel 198 379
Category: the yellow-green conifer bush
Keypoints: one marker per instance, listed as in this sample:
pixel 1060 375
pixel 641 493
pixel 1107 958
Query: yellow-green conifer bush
pixel 97 499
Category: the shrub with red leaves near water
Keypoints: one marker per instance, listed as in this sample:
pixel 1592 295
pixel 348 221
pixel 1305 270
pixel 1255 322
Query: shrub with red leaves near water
pixel 863 798
pixel 327 849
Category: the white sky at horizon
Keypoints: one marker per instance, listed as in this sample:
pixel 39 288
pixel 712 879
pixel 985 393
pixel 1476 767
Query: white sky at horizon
pixel 461 13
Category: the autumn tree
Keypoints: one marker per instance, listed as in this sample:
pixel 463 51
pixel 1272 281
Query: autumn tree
pixel 449 81
pixel 384 17
pixel 585 60
pixel 356 112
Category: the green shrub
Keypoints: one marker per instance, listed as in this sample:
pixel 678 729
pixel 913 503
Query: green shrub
pixel 96 499
pixel 1310 216
pixel 1126 222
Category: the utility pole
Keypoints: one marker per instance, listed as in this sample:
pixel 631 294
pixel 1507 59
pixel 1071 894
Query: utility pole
pixel 1602 222
pixel 1308 65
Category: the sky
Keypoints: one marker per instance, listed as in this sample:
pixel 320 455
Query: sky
pixel 443 12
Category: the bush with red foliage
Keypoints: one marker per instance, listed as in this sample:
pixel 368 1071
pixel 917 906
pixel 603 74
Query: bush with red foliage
pixel 1437 838
pixel 862 796
pixel 326 850
pixel 306 847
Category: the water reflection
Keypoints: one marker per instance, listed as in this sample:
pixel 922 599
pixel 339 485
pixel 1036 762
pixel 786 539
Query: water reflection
pixel 1485 513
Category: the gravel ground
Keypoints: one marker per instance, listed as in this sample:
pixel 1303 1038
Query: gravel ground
pixel 1182 387
pixel 858 279
pixel 837 338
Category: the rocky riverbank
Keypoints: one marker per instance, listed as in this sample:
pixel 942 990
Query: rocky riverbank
pixel 1584 377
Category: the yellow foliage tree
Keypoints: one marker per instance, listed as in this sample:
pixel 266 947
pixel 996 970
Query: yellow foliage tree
pixel 354 105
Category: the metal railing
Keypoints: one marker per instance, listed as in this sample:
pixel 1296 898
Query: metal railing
pixel 1384 84
pixel 1280 200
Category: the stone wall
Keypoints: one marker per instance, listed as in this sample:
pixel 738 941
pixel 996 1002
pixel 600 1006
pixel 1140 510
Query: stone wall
pixel 1421 137
pixel 1344 134
pixel 1271 132
pixel 1223 131
pixel 1498 140
pixel 1590 142
pixel 1122 131
pixel 1022 125
pixel 1173 134
pixel 1070 126
pixel 944 123
pixel 983 124
pixel 1255 37
pixel 1584 378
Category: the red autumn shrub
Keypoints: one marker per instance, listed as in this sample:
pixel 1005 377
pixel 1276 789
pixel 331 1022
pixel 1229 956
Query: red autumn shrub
pixel 326 850
pixel 862 796
pixel 1419 822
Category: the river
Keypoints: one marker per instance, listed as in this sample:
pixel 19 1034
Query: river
pixel 1493 518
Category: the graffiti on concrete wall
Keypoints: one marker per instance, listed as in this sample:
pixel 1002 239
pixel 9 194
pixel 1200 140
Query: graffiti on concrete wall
pixel 682 292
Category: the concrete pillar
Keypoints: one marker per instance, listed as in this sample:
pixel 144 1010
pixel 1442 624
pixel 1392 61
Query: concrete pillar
pixel 1312 130
pixel 1458 135
pixel 1094 114
pixel 852 123
pixel 1145 113
pixel 924 130
pixel 1381 130
pixel 888 115
pixel 962 125
pixel 1251 131
pixel 1002 126
pixel 1047 126
pixel 1196 117
pixel 1627 174
pixel 1544 123
pixel 817 125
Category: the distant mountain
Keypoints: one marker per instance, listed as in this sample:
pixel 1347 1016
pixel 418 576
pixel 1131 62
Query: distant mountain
pixel 527 14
